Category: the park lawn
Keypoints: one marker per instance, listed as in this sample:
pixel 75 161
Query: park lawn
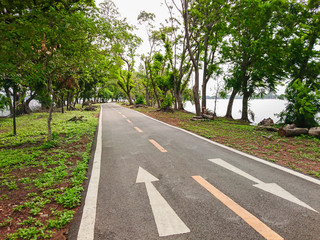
pixel 40 181
pixel 300 153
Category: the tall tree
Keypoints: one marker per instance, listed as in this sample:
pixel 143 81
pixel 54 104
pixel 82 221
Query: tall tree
pixel 194 45
pixel 303 65
pixel 254 48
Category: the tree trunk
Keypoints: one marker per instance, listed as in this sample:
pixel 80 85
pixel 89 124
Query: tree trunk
pixel 215 104
pixel 204 94
pixel 179 101
pixel 14 111
pixel 287 132
pixel 129 98
pixel 27 107
pixel 245 101
pixel 51 91
pixel 147 97
pixel 230 103
pixel 314 131
pixel 196 93
pixel 62 103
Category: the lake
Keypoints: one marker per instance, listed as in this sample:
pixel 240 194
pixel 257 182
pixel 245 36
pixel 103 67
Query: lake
pixel 262 108
pixel 34 104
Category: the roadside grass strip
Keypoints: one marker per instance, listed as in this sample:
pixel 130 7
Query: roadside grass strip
pixel 41 181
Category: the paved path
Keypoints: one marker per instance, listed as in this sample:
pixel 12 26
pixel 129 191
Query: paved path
pixel 160 182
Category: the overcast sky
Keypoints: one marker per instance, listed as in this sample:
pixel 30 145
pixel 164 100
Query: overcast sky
pixel 130 10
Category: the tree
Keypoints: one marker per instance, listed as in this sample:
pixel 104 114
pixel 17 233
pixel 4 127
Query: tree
pixel 210 15
pixel 147 19
pixel 193 43
pixel 177 54
pixel 45 40
pixel 303 65
pixel 254 47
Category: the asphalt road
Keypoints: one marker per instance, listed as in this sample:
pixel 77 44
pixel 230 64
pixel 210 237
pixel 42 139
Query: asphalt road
pixel 189 188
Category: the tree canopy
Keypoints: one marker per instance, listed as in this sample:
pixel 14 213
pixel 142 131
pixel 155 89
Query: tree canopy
pixel 59 52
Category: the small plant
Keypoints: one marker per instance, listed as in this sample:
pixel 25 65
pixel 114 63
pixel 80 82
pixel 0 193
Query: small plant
pixel 71 197
pixel 4 197
pixel 61 219
pixel 30 195
pixel 35 211
pixel 33 233
pixel 30 221
pixel 6 222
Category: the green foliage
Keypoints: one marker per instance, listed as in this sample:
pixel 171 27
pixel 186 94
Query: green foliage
pixel 4 102
pixel 167 101
pixel 71 197
pixel 31 233
pixel 140 100
pixel 188 96
pixel 50 168
pixel 303 105
pixel 61 219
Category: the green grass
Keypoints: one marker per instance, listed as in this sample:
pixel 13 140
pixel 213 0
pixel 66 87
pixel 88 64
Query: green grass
pixel 41 181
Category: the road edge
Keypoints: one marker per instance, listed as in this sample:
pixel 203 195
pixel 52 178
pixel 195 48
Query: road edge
pixel 260 160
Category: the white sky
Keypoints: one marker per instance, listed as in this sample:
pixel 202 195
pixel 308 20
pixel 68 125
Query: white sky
pixel 130 9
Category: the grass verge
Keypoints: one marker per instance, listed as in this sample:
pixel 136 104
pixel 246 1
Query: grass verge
pixel 41 181
pixel 300 153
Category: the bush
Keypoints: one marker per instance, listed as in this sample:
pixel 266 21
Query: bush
pixel 167 101
pixel 303 105
pixel 140 100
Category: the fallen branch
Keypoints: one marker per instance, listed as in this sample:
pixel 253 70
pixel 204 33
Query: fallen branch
pixel 267 128
pixel 292 132
pixel 75 119
pixel 314 131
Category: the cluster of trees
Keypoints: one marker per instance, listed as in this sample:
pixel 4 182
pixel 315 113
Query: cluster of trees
pixel 60 51
pixel 253 45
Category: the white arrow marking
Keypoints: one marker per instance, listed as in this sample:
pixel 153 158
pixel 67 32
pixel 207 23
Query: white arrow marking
pixel 167 221
pixel 272 188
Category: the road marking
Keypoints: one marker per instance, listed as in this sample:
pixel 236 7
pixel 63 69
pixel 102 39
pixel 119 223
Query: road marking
pixel 157 145
pixel 167 221
pixel 272 188
pixel 86 229
pixel 129 121
pixel 254 222
pixel 260 160
pixel 123 116
pixel 138 129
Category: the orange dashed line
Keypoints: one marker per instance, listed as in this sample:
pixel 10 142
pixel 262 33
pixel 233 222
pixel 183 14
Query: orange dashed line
pixel 157 145
pixel 138 129
pixel 254 222
pixel 129 121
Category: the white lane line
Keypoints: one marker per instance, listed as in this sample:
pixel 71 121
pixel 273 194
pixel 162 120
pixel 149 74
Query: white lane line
pixel 234 169
pixel 167 221
pixel 86 229
pixel 279 167
pixel 272 188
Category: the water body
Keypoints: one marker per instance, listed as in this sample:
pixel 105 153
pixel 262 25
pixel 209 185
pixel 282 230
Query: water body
pixel 34 104
pixel 262 108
